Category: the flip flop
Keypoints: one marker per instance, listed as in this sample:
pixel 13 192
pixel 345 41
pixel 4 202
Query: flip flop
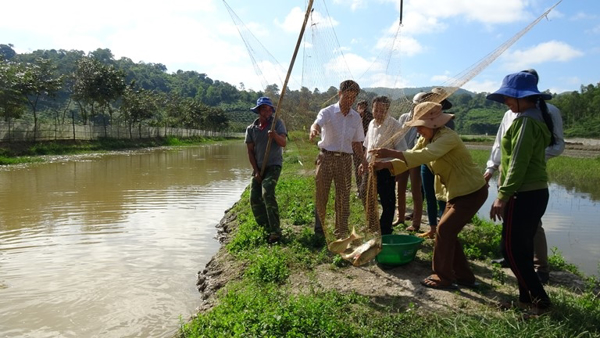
pixel 430 235
pixel 274 238
pixel 412 228
pixel 437 284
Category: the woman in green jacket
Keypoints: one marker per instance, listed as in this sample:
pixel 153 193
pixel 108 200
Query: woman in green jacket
pixel 457 180
pixel 523 182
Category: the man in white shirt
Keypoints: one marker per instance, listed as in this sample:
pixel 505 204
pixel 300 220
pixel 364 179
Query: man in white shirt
pixel 342 134
pixel 540 245
pixel 383 132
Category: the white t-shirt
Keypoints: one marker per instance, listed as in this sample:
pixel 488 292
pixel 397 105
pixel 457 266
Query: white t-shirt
pixel 385 135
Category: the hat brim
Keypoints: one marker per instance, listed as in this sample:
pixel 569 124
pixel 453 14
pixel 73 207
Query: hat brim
pixel 436 122
pixel 499 95
pixel 255 109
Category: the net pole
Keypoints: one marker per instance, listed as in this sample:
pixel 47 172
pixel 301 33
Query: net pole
pixel 285 83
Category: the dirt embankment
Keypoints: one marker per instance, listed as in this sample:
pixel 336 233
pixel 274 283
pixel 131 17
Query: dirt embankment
pixel 399 285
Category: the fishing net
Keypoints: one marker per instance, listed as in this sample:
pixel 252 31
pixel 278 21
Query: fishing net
pixel 324 66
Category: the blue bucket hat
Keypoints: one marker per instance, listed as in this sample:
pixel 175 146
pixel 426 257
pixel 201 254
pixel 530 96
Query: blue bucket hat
pixel 263 100
pixel 518 85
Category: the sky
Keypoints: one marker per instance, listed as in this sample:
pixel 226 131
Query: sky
pixel 438 39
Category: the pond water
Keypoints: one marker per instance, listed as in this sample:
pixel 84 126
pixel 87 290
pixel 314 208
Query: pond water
pixel 571 226
pixel 109 245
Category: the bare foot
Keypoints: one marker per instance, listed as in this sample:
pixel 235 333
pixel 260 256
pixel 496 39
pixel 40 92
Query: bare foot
pixel 412 228
pixel 397 222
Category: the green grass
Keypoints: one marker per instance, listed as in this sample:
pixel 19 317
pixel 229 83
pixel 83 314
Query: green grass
pixel 26 152
pixel 264 303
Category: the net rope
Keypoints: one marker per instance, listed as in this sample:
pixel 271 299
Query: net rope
pixel 324 67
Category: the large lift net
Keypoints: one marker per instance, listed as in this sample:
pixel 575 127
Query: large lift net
pixel 324 66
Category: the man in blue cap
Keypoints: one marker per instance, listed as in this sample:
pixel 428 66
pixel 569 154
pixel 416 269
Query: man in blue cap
pixel 262 194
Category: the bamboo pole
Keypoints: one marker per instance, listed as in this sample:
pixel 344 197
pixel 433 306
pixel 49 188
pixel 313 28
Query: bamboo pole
pixel 287 78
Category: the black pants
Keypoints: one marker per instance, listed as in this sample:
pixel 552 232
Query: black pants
pixel 522 215
pixel 386 190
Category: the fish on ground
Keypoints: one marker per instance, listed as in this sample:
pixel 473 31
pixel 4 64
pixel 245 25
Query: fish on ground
pixel 364 253
pixel 341 245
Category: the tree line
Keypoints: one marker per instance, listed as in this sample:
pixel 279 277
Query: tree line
pixel 72 87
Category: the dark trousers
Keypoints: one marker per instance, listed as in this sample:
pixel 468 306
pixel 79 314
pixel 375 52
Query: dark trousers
pixel 386 190
pixel 263 202
pixel 435 208
pixel 522 216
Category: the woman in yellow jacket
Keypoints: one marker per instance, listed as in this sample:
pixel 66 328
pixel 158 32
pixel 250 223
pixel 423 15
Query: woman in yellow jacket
pixel 457 180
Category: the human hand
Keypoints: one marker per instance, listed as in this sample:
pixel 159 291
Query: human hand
pixel 487 176
pixel 256 176
pixel 313 133
pixel 497 210
pixel 380 152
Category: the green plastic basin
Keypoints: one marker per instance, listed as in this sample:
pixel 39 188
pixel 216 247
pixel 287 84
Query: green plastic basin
pixel 398 249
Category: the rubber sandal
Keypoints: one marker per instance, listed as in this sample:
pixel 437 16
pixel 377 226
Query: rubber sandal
pixel 273 238
pixel 412 228
pixel 437 284
pixel 430 235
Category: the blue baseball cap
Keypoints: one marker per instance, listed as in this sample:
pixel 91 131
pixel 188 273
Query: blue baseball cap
pixel 262 100
pixel 518 85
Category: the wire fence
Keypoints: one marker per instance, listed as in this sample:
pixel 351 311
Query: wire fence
pixel 21 132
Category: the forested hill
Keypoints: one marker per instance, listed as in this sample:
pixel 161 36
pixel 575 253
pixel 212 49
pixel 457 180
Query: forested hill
pixel 72 87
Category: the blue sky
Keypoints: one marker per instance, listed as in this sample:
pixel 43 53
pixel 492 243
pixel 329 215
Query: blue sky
pixel 439 39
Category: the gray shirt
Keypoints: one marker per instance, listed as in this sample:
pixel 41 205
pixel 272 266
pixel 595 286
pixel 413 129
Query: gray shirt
pixel 258 136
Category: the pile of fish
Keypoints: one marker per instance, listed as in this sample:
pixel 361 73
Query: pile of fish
pixel 361 254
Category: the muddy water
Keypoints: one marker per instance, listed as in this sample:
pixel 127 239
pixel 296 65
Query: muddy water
pixel 109 246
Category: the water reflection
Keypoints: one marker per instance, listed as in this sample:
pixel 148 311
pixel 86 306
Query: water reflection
pixel 571 226
pixel 110 246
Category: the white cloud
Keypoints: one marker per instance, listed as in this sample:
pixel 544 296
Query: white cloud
pixel 583 16
pixel 417 23
pixel 293 21
pixel 482 86
pixel 405 46
pixel 544 52
pixel 595 30
pixel 485 11
pixel 353 4
pixel 321 21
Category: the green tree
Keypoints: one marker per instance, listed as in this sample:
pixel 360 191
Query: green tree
pixel 12 102
pixel 95 87
pixel 39 82
pixel 136 107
